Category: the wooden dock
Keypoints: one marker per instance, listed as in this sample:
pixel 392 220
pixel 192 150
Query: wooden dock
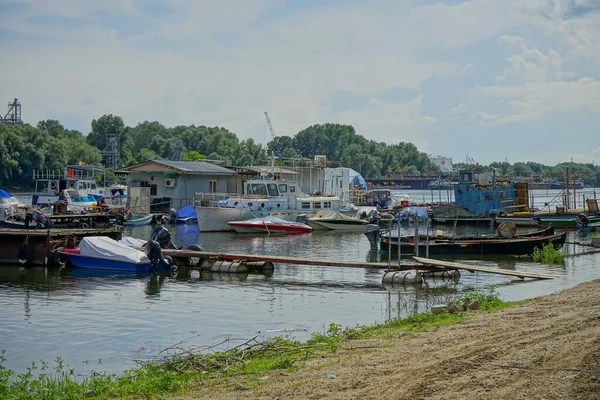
pixel 420 264
pixel 285 260
pixel 473 268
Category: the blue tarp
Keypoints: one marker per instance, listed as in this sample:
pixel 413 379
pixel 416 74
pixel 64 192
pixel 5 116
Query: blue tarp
pixel 356 179
pixel 186 212
pixel 410 212
pixel 4 193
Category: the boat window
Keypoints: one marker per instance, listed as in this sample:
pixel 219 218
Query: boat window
pixel 326 204
pixel 292 189
pixel 282 188
pixel 488 197
pixel 249 204
pixel 258 189
pixel 93 186
pixel 305 204
pixel 317 204
pixel 272 189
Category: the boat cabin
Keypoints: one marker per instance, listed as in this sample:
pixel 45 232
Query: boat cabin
pixel 480 193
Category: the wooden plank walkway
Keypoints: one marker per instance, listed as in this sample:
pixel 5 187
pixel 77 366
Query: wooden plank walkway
pixel 472 268
pixel 289 260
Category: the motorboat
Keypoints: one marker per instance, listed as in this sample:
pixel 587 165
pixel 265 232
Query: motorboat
pixel 101 252
pixel 271 225
pixel 139 219
pixel 332 220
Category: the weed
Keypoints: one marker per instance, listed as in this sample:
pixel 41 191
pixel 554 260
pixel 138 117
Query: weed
pixel 548 254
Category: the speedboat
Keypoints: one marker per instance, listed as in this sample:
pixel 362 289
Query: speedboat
pixel 269 224
pixel 332 220
pixel 101 252
pixel 186 215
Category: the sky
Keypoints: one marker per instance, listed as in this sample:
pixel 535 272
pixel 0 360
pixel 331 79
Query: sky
pixel 492 80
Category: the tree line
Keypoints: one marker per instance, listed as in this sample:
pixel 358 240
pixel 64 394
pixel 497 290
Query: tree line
pixel 51 146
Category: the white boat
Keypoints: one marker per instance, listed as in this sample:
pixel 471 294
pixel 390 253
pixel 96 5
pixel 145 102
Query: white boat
pixel 12 211
pixel 332 220
pixel 100 252
pixel 139 220
pixel 260 198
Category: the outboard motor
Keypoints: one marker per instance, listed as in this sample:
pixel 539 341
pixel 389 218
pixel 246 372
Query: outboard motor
pixel 372 232
pixel 154 253
pixel 170 217
pixel 40 220
pixel 162 236
pixel 119 219
pixel 582 221
pixel 373 217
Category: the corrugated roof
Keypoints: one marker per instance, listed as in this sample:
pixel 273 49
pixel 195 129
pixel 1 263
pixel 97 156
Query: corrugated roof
pixel 259 169
pixel 193 167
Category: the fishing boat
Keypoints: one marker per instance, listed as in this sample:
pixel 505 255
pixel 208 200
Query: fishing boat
pixel 332 220
pixel 522 245
pixel 568 221
pixel 269 224
pixel 261 198
pixel 100 252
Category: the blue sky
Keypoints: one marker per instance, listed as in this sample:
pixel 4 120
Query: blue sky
pixel 491 79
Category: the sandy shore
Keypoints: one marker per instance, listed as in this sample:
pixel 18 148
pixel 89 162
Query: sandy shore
pixel 548 348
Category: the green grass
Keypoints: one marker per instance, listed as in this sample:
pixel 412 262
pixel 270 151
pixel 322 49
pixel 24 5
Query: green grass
pixel 177 370
pixel 548 254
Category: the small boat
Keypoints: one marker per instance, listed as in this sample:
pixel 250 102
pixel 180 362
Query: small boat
pixel 100 252
pixel 139 219
pixel 332 220
pixel 567 221
pixel 517 246
pixel 269 224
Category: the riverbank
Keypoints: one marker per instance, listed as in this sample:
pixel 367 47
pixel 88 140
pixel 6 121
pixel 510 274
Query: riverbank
pixel 547 348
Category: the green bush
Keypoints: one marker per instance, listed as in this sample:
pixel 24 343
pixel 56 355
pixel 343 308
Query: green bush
pixel 549 254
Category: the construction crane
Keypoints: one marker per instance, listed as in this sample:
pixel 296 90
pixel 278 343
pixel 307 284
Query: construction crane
pixel 271 130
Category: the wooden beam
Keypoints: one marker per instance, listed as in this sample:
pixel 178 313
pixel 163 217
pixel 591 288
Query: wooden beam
pixel 472 268
pixel 286 260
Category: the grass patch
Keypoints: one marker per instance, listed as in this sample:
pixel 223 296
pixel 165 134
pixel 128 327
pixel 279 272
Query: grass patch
pixel 548 254
pixel 176 370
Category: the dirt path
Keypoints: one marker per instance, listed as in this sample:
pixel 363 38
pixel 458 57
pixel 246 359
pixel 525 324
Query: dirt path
pixel 547 349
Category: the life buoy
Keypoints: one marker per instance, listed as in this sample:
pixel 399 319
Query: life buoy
pixel 53 185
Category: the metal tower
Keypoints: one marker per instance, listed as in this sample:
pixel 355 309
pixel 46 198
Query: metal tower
pixel 178 150
pixel 13 116
pixel 110 155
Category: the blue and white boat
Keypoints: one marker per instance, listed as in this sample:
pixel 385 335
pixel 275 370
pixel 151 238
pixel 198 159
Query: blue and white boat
pixel 76 184
pixel 139 219
pixel 101 252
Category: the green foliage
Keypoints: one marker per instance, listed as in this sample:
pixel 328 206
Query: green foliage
pixel 548 254
pixel 193 156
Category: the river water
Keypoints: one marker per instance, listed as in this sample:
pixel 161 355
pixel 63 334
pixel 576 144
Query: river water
pixel 104 322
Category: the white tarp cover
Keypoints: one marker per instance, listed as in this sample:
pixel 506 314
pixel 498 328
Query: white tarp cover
pixel 109 249
pixel 132 242
pixel 331 215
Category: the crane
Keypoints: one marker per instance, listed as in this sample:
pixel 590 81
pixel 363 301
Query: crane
pixel 271 130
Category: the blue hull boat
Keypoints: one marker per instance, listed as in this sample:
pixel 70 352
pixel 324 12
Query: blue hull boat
pixel 103 253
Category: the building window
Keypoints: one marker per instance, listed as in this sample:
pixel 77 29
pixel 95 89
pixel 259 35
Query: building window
pixel 212 186
pixel 153 190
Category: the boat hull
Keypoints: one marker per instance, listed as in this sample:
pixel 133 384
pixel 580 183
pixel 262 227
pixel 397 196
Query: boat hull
pixel 338 225
pixel 104 264
pixel 269 227
pixel 519 246
pixel 139 221
pixel 565 222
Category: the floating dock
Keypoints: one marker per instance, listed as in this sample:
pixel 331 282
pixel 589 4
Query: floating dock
pixel 227 261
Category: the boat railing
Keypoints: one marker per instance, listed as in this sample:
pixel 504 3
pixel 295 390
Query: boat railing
pixel 216 199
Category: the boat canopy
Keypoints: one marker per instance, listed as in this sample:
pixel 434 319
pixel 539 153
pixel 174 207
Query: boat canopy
pixel 186 212
pixel 106 248
pixel 5 194
pixel 356 179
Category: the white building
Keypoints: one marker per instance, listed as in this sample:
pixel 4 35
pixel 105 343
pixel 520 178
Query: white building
pixel 443 163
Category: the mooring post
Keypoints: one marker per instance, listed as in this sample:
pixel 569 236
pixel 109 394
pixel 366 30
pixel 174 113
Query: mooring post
pixel 416 222
pixel 399 244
